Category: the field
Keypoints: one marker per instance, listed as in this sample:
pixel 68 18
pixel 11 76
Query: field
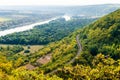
pixel 4 19
pixel 33 48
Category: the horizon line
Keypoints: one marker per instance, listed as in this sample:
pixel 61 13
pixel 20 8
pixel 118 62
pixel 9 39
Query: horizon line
pixel 62 5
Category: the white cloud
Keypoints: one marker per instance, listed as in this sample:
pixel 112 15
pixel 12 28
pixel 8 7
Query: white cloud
pixel 57 2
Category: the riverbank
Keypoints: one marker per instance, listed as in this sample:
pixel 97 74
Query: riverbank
pixel 30 26
pixel 24 28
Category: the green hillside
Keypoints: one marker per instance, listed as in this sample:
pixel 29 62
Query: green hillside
pixel 100 51
pixel 103 36
pixel 100 56
pixel 100 45
pixel 97 59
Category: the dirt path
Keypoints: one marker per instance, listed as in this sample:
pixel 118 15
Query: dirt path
pixel 79 50
pixel 72 60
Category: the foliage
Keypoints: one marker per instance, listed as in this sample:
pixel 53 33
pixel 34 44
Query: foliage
pixel 27 51
pixel 44 34
pixel 103 36
pixel 104 69
pixel 99 59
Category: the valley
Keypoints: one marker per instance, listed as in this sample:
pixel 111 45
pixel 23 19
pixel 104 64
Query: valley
pixel 60 43
pixel 45 33
pixel 30 26
pixel 17 18
pixel 23 28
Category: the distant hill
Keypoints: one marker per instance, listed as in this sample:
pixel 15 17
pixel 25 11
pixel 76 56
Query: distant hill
pixel 90 10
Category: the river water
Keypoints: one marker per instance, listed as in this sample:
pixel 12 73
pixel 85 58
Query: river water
pixel 28 27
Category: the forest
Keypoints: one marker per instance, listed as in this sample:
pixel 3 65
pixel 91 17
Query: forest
pixel 98 60
pixel 46 33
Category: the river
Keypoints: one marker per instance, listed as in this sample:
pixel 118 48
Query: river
pixel 28 27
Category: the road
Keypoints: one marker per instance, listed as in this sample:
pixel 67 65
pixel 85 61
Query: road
pixel 72 60
pixel 79 50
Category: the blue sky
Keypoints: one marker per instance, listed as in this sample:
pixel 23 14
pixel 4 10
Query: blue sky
pixel 57 2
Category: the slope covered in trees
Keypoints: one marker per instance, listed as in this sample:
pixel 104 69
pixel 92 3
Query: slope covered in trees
pixel 103 36
pixel 99 59
pixel 101 51
pixel 100 54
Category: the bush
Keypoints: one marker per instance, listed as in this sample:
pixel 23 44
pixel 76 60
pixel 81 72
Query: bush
pixel 27 51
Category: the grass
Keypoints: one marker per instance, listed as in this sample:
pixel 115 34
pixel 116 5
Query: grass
pixel 4 19
pixel 33 48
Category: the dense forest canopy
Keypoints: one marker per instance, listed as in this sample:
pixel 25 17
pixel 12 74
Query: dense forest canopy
pixel 103 36
pixel 46 33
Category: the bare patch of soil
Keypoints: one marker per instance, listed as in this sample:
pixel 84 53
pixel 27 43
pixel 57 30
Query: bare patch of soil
pixel 45 59
pixel 29 67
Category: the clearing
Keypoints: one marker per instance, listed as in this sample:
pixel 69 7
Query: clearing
pixel 32 48
pixel 4 19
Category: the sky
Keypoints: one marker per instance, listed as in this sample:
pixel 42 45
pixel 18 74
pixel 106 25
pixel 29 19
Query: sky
pixel 56 2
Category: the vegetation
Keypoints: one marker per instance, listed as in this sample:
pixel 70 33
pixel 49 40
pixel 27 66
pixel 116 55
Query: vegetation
pixel 103 36
pixel 44 34
pixel 15 19
pixel 4 19
pixel 103 69
pixel 99 59
pixel 94 59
